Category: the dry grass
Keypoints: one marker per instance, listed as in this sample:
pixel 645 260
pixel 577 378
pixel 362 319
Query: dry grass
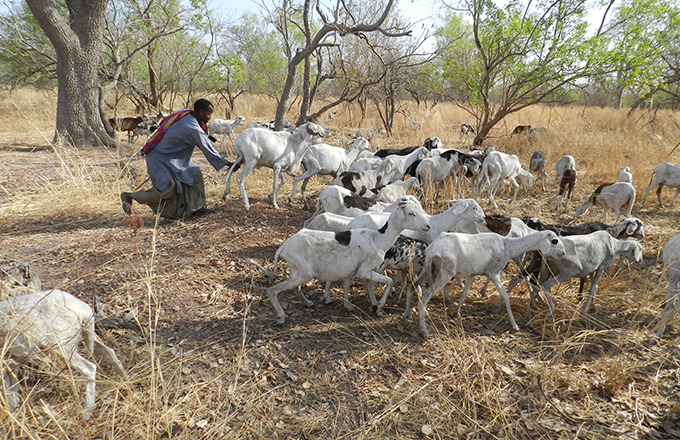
pixel 216 365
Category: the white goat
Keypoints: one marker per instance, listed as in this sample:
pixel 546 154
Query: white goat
pixel 671 259
pixel 52 322
pixel 437 169
pixel 585 255
pixel 396 190
pixel 458 255
pixel 324 159
pixel 536 132
pixel 413 125
pixel 610 196
pixel 329 221
pixel 537 164
pixel 498 167
pixel 368 133
pixel 563 164
pixel 279 150
pixel 625 175
pixel 464 216
pixel 341 256
pixel 225 127
pixel 666 173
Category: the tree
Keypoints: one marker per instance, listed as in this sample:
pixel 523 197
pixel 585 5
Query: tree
pixel 343 21
pixel 77 42
pixel 520 56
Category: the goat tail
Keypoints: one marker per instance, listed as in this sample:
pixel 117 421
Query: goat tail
pixel 651 179
pixel 267 273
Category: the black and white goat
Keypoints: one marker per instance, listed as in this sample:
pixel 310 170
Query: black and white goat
pixel 341 256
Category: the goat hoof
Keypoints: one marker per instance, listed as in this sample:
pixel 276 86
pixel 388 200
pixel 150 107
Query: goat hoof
pixel 309 303
pixel 281 321
pixel 424 333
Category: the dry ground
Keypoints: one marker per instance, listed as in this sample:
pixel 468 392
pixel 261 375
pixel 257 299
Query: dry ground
pixel 217 366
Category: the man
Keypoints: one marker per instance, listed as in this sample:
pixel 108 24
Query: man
pixel 177 190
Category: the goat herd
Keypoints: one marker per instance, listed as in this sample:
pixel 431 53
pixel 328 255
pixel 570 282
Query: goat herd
pixel 366 223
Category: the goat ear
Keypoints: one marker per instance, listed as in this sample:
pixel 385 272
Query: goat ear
pixel 544 244
pixel 458 207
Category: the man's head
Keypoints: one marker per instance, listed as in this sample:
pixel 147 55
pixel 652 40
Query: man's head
pixel 203 110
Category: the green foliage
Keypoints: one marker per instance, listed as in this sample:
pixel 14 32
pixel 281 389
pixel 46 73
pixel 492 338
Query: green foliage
pixel 514 56
pixel 27 57
pixel 261 54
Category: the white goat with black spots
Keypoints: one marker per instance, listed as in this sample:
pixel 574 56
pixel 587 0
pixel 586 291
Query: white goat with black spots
pixel 341 256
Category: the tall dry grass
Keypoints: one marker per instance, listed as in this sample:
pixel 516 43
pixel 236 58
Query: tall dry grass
pixel 215 367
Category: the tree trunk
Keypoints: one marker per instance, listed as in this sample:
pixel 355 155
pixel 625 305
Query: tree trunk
pixel 78 44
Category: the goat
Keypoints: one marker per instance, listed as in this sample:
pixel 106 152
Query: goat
pixel 586 255
pixel 143 130
pixel 537 164
pixel 362 182
pixel 368 133
pixel 627 228
pixel 458 255
pixel 566 186
pixel 341 256
pixel 671 259
pixel 324 159
pixel 126 124
pixel 225 127
pixel 430 143
pixel 395 190
pixel 437 169
pixel 339 200
pixel 463 216
pixel 413 125
pixel 52 321
pixel 625 175
pixel 497 167
pixel 466 129
pixel 610 196
pixel 329 221
pixel 521 129
pixel 536 132
pixel 279 150
pixel 666 173
pixel 563 164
